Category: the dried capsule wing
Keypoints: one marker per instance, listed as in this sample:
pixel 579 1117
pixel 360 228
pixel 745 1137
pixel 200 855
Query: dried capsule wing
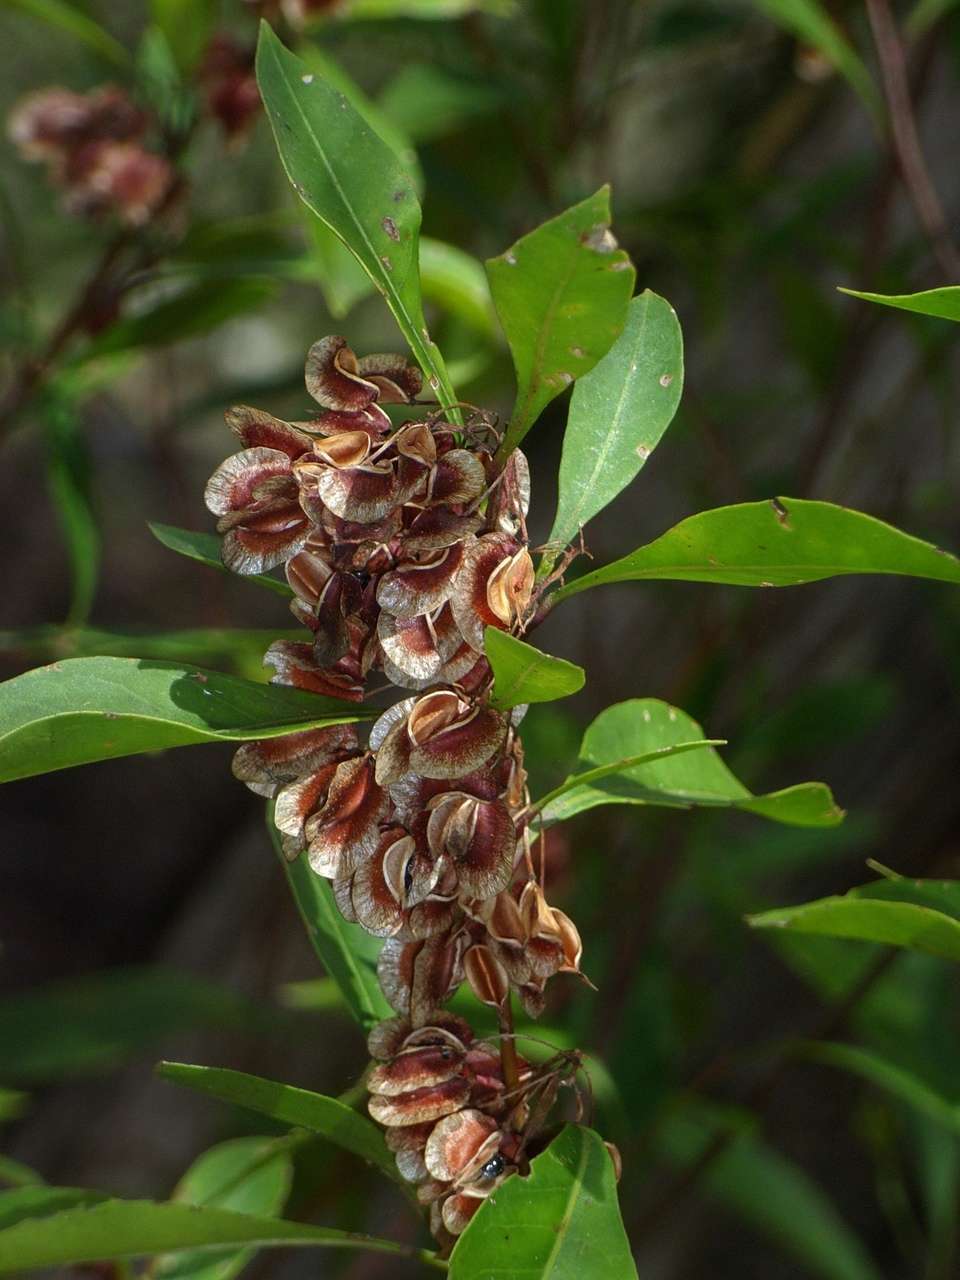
pixel 333 377
pixel 456 1141
pixel 256 428
pixel 268 764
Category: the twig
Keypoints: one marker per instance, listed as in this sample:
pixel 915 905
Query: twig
pixel 906 140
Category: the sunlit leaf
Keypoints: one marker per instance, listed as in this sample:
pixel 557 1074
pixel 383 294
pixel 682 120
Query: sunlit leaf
pixel 135 1228
pixel 812 23
pixel 246 1175
pixel 87 709
pixel 922 915
pixel 779 543
pixel 205 547
pixel 690 777
pixel 69 18
pixel 347 952
pixel 523 674
pixel 353 181
pixel 562 1222
pixel 903 1085
pixel 618 413
pixel 943 303
pixel 287 1105
pixel 561 293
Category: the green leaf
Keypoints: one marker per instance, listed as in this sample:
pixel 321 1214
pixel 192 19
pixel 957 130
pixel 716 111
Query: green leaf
pixel 692 776
pixel 924 14
pixel 348 953
pixel 89 1024
pixel 68 475
pixel 456 282
pixel 353 182
pixel 903 1085
pixel 342 279
pixel 782 542
pixel 429 102
pixel 771 1193
pixel 246 1175
pixel 194 311
pixel 287 1105
pixel 135 1228
pixel 68 18
pixel 523 674
pixel 561 293
pixel 12 1102
pixel 86 709
pixel 186 26
pixel 922 915
pixel 15 1174
pixel 618 413
pixel 562 1222
pixel 943 303
pixel 33 1201
pixel 811 23
pixel 205 547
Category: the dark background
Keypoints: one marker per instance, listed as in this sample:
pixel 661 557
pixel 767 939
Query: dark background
pixel 141 912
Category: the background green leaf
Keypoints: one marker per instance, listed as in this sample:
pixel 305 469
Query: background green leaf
pixel 205 547
pixel 353 182
pixel 68 18
pixel 943 303
pixel 347 952
pixel 692 778
pixel 812 23
pixel 523 674
pixel 618 413
pixel 561 293
pixel 68 476
pixel 86 709
pixel 888 1076
pixel 186 25
pixel 779 543
pixel 562 1222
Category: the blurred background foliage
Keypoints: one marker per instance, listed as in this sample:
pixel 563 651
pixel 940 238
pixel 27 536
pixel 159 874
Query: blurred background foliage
pixel 142 914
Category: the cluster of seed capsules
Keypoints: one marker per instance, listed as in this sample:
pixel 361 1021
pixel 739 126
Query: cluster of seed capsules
pixel 401 546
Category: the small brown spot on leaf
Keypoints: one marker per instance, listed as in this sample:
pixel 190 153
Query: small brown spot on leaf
pixel 578 352
pixel 666 379
pixel 386 262
pixel 390 227
pixel 600 239
pixel 782 514
pixel 643 452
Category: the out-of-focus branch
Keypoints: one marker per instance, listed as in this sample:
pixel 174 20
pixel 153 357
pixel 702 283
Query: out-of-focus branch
pixel 906 139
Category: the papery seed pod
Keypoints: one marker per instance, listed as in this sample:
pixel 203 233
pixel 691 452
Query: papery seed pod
pixel 256 497
pixel 393 1034
pixel 460 1144
pixel 418 977
pixel 421 584
pixel 479 838
pixel 229 83
pixel 441 736
pixel 269 763
pixel 49 123
pixel 295 665
pixel 493 586
pixel 419 1105
pixel 614 1154
pixel 119 178
pixel 417 1068
pixel 487 977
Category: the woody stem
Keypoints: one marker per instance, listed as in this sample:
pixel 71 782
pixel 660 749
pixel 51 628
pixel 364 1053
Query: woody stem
pixel 508 1048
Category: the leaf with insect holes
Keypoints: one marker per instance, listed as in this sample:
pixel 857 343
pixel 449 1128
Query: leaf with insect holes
pixel 561 1222
pixel 87 709
pixel 690 775
pixel 523 674
pixel 353 182
pixel 561 293
pixel 943 303
pixel 780 543
pixel 921 915
pixel 618 413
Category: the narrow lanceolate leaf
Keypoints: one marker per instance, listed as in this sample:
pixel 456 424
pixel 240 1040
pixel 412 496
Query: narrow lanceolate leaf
pixel 522 673
pixel 561 293
pixel 618 413
pixel 562 1222
pixel 87 709
pixel 205 547
pixel 353 181
pixel 68 18
pixel 115 1229
pixel 811 22
pixel 689 776
pixel 33 1201
pixel 921 915
pixel 902 1085
pixel 68 475
pixel 282 1102
pixel 347 952
pixel 245 1175
pixel 943 303
pixel 779 543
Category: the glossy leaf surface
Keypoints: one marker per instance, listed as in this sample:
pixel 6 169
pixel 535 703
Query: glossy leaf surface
pixel 562 1222
pixel 523 674
pixel 353 182
pixel 779 543
pixel 618 413
pixel 347 952
pixel 87 709
pixel 561 293
pixel 288 1105
pixel 685 779
pixel 922 915
pixel 943 303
